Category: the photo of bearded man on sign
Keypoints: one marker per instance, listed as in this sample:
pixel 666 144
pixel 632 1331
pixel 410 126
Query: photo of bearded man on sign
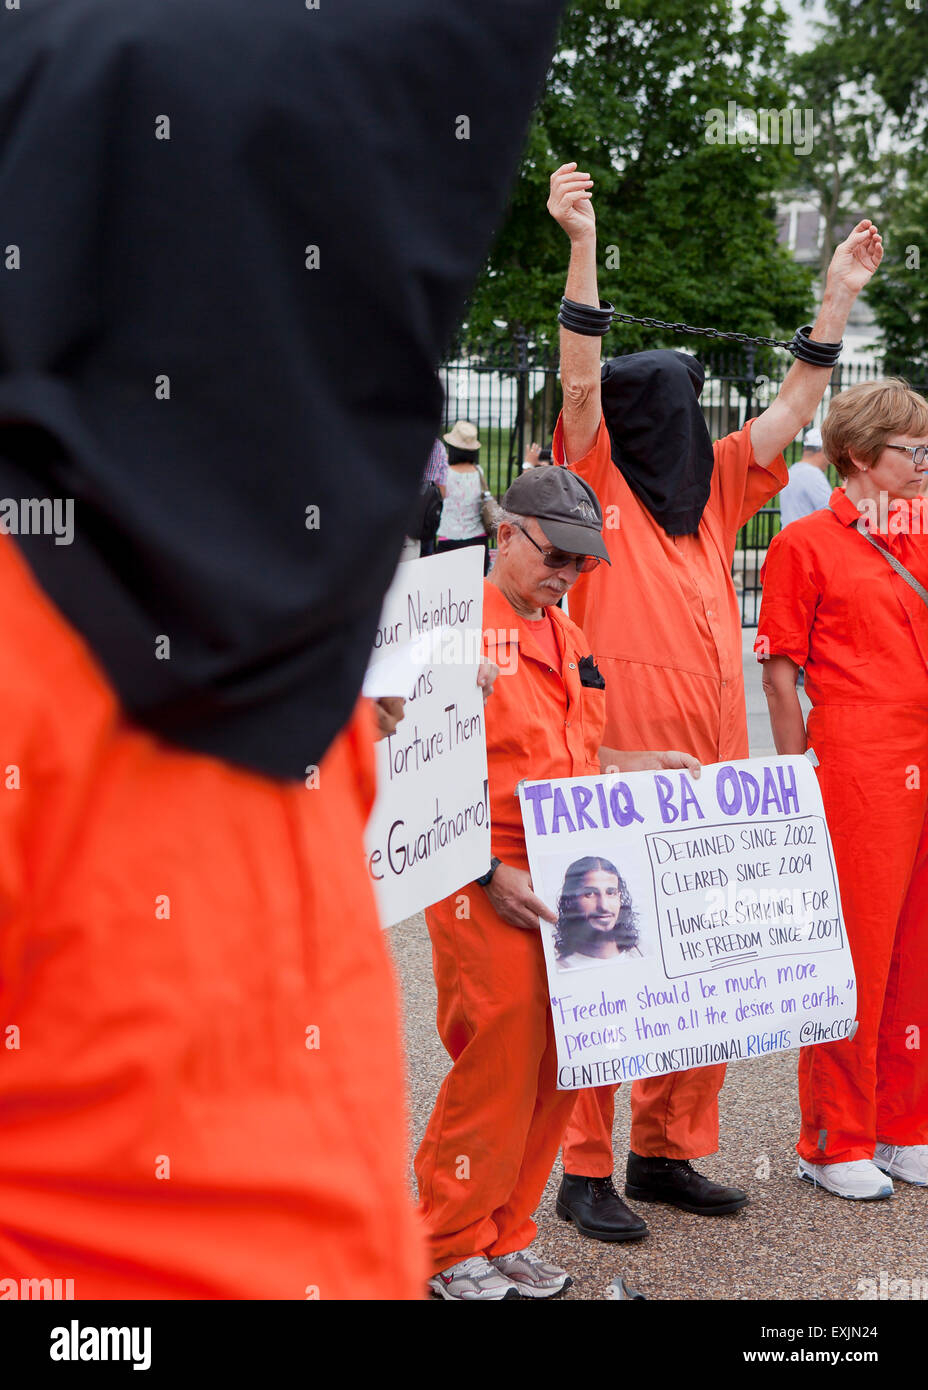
pixel 596 919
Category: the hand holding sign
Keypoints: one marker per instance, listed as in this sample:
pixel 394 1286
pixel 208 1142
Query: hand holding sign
pixel 644 760
pixel 510 892
pixel 486 678
pixel 673 759
pixel 389 710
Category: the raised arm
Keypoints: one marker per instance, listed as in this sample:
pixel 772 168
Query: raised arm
pixel 570 204
pixel 851 267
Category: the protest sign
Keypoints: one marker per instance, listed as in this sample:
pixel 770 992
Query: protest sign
pixel 699 920
pixel 429 831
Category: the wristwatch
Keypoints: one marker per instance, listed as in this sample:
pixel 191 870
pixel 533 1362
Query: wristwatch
pixel 484 879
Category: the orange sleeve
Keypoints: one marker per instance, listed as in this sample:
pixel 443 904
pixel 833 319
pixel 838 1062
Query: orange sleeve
pixel 740 487
pixel 791 593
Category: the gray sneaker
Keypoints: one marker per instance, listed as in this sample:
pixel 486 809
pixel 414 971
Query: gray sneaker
pixel 474 1280
pixel 534 1278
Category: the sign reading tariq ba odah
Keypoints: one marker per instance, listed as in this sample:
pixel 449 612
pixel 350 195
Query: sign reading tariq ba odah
pixel 699 919
pixel 429 831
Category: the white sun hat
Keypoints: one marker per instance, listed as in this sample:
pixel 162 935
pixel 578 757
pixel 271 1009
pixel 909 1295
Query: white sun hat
pixel 463 436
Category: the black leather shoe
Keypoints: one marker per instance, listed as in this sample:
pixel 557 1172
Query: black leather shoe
pixel 673 1180
pixel 597 1210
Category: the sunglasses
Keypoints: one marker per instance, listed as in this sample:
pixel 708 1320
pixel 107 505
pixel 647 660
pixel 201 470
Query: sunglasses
pixel 558 559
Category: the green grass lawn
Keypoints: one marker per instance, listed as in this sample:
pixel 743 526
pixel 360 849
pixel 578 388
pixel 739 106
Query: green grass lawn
pixel 494 458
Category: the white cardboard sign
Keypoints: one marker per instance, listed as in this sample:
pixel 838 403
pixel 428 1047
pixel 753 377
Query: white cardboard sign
pixel 728 884
pixel 429 831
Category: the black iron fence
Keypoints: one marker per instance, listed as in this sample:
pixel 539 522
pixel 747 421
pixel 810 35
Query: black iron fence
pixel 511 391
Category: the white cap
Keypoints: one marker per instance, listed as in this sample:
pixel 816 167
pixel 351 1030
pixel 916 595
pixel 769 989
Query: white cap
pixel 813 438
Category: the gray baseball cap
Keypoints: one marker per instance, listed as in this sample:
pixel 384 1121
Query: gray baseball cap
pixel 565 507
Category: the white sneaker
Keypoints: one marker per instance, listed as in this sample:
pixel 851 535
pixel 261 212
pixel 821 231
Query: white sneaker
pixel 908 1162
pixel 473 1280
pixel 534 1278
pixel 861 1180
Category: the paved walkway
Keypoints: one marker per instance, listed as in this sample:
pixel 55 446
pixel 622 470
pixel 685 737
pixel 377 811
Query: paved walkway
pixel 791 1242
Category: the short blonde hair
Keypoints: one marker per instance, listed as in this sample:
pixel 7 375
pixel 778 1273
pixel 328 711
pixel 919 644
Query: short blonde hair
pixel 862 418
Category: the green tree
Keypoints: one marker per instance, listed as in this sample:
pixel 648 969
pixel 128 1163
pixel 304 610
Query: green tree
pixel 880 49
pixel 899 294
pixel 686 225
pixel 837 172
pixel 886 42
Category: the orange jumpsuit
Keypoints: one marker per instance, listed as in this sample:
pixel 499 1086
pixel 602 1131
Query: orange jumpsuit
pixel 665 626
pixel 834 606
pixel 499 1119
pixel 201 1086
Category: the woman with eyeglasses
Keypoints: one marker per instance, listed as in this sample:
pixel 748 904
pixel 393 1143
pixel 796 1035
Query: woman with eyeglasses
pixel 846 597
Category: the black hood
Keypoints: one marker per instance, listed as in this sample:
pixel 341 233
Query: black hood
pixel 236 276
pixel 660 441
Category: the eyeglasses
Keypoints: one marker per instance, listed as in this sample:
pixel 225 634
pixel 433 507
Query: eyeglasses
pixel 919 452
pixel 557 559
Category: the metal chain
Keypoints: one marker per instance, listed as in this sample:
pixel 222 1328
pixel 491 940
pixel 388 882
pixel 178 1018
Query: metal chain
pixel 703 332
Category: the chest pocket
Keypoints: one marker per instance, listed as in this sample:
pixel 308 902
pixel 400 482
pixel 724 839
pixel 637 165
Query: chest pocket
pixel 870 613
pixel 591 677
pixel 860 634
pixel 592 702
pixel 849 597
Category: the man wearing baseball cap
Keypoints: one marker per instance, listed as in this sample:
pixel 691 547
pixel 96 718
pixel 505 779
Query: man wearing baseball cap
pixel 808 488
pixel 498 1122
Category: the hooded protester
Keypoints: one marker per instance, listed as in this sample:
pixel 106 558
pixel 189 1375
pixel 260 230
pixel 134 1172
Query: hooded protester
pixel 665 628
pixel 226 286
pixel 657 435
